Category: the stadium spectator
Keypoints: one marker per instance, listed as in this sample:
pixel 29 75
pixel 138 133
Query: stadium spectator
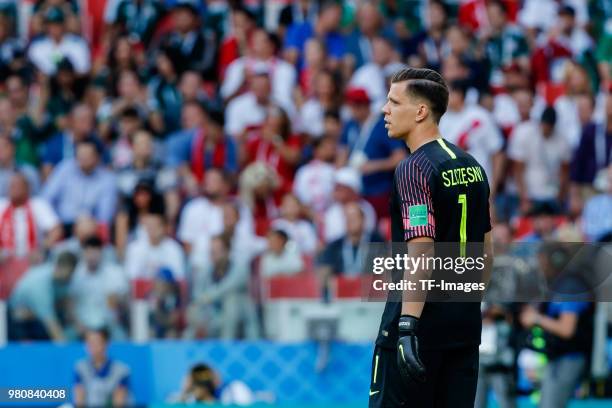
pixel 154 251
pixel 12 50
pixel 131 97
pixel 593 153
pixel 326 97
pixel 366 147
pixel 84 228
pixel 299 230
pixel 82 186
pixel 202 147
pixel 276 146
pixel 247 112
pixel 504 42
pixel 164 97
pixel 165 305
pixel 129 222
pixel 98 290
pixel 425 48
pixel 128 123
pixel 70 9
pixel 576 84
pixel 20 127
pixel 62 145
pixel 360 43
pixel 37 304
pixel 371 75
pixel 192 89
pixel 261 52
pixel 541 161
pixel 236 43
pixel 596 223
pixel 314 181
pixel 203 215
pixel 144 165
pixel 28 225
pixel 242 239
pixel 282 257
pixel 315 61
pixel 347 189
pixel 296 12
pixel 9 165
pixel 348 255
pixel 325 28
pixel 194 45
pixel 220 296
pixel 473 129
pixel 98 379
pixel 56 44
pixel 138 19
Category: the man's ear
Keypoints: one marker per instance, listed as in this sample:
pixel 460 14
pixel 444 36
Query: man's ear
pixel 422 113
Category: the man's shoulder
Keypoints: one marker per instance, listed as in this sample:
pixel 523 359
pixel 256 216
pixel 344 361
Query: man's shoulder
pixel 197 204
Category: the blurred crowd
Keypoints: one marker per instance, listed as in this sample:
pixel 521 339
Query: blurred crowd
pixel 196 148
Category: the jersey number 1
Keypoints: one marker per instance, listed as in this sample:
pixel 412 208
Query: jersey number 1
pixel 463 225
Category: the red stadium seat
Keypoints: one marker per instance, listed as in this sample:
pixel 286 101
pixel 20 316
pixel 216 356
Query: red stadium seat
pixel 303 285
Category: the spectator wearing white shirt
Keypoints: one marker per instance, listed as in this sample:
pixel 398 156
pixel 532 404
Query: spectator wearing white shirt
pixel 248 111
pixel 371 76
pixel 28 225
pixel 146 256
pixel 576 83
pixel 571 34
pixel 282 256
pixel 298 229
pixel 314 181
pixel 263 50
pixel 243 241
pixel 203 216
pixel 472 128
pixel 347 187
pixel 325 98
pixel 541 161
pixel 98 289
pixel 57 44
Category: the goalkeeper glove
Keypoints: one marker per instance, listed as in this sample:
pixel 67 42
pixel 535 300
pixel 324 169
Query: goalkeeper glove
pixel 410 365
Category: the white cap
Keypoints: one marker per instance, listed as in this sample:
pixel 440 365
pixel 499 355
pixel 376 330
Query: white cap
pixel 348 176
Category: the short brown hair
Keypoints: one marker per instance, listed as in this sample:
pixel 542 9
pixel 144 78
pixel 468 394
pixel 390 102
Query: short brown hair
pixel 426 84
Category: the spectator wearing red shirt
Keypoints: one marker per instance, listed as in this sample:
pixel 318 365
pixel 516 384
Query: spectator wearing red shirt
pixel 276 146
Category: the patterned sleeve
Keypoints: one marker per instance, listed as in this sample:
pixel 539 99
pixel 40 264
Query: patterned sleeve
pixel 415 200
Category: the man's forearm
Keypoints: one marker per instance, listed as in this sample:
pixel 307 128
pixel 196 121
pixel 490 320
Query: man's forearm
pixel 413 302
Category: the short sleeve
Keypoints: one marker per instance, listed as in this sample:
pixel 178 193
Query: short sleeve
pixel 415 200
pixel 45 216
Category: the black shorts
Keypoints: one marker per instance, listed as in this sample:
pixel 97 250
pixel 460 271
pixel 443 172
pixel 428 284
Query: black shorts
pixel 451 381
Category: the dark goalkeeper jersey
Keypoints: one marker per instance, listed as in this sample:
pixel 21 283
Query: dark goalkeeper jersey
pixel 439 191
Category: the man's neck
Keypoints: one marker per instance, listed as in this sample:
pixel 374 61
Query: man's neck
pixel 354 238
pixel 140 162
pixel 19 203
pixel 422 136
pixel 99 361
